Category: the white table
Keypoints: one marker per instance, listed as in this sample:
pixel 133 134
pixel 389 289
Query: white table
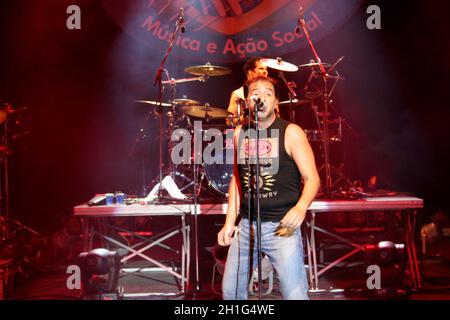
pixel 407 205
pixel 94 225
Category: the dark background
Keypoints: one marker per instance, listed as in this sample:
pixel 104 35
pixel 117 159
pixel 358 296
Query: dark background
pixel 79 88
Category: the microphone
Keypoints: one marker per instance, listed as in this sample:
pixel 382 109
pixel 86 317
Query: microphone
pixel 259 104
pixel 181 20
pixel 300 21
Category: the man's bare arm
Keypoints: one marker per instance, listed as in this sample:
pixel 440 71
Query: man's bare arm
pixel 234 201
pixel 298 147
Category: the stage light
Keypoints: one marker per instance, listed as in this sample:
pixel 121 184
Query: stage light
pixel 99 274
pixel 384 253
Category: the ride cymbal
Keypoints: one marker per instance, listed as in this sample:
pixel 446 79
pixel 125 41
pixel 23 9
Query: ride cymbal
pixel 279 64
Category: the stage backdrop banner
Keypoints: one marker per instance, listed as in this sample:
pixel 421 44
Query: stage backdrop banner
pixel 229 30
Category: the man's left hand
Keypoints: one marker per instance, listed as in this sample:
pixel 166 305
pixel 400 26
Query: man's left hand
pixel 293 218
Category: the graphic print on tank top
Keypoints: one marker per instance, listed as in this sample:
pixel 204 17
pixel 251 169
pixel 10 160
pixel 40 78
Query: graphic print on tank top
pixel 279 180
pixel 268 160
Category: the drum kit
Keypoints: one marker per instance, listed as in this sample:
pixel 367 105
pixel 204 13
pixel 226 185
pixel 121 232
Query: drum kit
pixel 181 113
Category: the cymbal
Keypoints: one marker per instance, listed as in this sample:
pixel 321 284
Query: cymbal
pixel 294 102
pixel 153 103
pixel 279 64
pixel 208 70
pixel 186 102
pixel 205 112
pixel 314 64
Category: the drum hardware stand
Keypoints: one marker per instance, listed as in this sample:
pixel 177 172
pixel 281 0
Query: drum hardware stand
pixel 324 75
pixel 291 86
pixel 5 207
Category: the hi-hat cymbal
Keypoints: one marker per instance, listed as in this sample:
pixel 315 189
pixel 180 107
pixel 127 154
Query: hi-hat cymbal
pixel 186 102
pixel 279 64
pixel 205 112
pixel 153 103
pixel 314 64
pixel 208 70
pixel 294 102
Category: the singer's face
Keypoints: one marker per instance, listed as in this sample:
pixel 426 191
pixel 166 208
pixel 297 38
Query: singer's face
pixel 266 92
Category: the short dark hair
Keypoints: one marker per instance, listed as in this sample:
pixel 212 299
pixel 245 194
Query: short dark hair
pixel 250 64
pixel 262 78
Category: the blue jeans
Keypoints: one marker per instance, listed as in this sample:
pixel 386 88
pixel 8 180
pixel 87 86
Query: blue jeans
pixel 285 254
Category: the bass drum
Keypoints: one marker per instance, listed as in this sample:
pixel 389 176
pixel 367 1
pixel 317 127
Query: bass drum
pixel 219 174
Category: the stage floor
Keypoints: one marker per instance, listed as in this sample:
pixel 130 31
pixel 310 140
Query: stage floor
pixel 343 283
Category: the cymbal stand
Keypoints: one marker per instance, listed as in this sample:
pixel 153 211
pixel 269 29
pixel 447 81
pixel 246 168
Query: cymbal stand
pixel 291 86
pixel 326 138
pixel 339 171
pixel 302 25
pixel 324 75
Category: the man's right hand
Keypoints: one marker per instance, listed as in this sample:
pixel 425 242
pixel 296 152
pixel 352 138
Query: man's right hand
pixel 224 236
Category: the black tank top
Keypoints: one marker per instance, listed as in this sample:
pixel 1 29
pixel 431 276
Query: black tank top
pixel 279 180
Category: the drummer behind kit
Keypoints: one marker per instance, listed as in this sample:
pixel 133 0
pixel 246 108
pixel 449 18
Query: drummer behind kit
pixel 183 112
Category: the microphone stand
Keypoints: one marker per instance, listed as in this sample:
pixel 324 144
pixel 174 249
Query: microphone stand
pixel 249 190
pixel 197 277
pixel 179 26
pixel 258 210
pixel 158 81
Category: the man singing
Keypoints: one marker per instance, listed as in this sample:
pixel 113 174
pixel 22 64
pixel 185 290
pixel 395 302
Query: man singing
pixel 285 158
